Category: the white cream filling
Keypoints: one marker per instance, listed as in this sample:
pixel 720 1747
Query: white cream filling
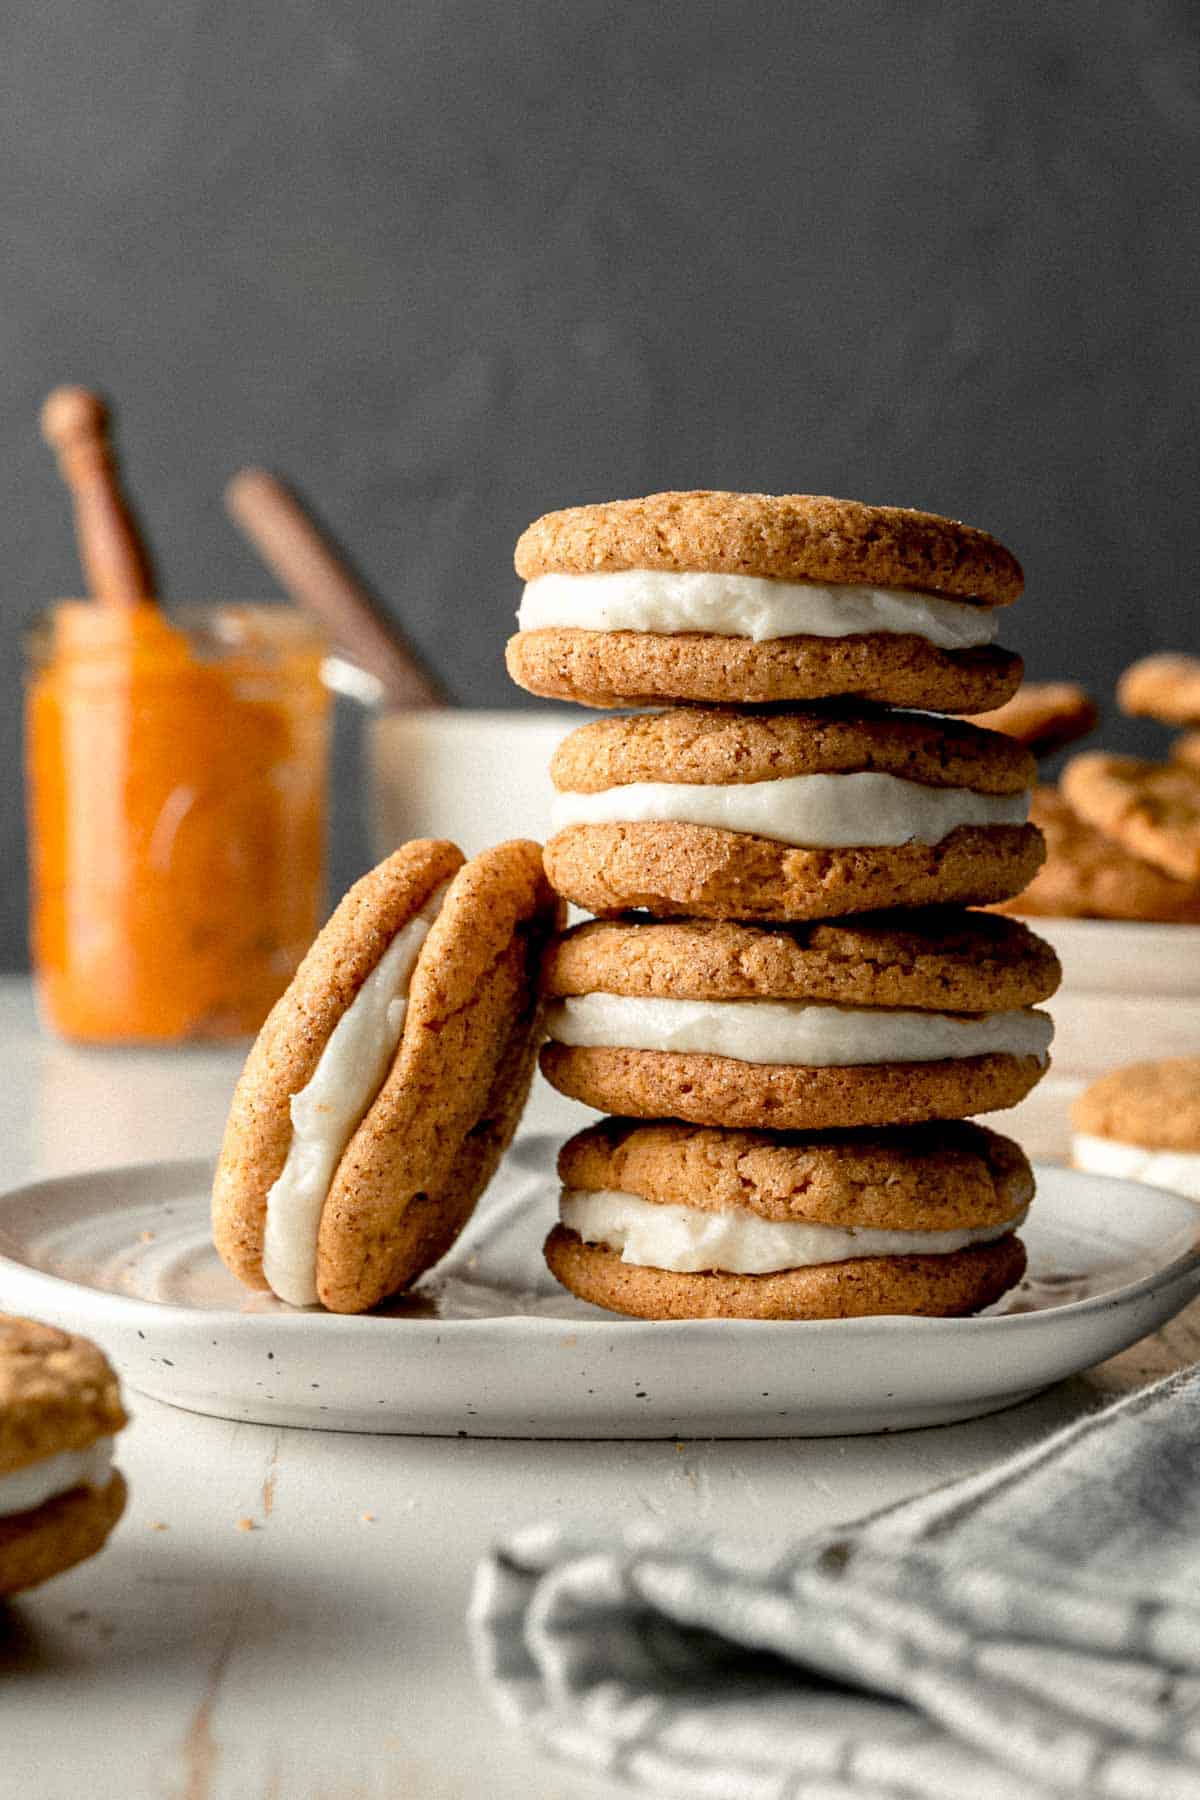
pixel 1176 1170
pixel 687 1240
pixel 809 811
pixel 792 1032
pixel 326 1113
pixel 53 1475
pixel 748 606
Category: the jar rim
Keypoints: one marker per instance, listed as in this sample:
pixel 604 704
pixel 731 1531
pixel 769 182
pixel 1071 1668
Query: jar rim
pixel 214 629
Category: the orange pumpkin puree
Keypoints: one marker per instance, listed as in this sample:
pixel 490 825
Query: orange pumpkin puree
pixel 176 788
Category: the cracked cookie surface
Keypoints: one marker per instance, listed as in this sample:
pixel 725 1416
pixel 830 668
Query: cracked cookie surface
pixel 791 536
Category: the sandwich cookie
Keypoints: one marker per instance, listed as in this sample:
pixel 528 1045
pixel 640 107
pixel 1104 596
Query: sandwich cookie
pixel 1089 876
pixel 1142 1123
pixel 1043 715
pixel 1150 809
pixel 890 1020
pixel 788 814
pixel 388 1080
pixel 60 1410
pixel 748 598
pixel 1165 687
pixel 668 1221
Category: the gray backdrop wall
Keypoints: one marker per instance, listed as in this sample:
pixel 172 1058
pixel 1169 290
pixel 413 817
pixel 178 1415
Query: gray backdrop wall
pixel 449 263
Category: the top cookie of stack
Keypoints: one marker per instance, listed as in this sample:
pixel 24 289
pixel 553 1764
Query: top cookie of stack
pixel 749 599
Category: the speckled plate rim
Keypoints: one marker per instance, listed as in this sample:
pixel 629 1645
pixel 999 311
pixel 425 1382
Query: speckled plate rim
pixel 511 1355
pixel 96 1304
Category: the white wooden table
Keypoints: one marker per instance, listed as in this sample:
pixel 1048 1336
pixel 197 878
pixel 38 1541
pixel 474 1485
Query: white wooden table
pixel 322 1655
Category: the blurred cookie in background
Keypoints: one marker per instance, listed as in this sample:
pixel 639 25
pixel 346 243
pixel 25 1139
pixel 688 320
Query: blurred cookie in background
pixel 1186 750
pixel 1142 1123
pixel 1088 875
pixel 1044 715
pixel 1164 687
pixel 1151 809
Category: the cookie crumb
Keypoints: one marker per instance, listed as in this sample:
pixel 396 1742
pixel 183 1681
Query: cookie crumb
pixel 679 1449
pixel 147 1237
pixel 368 1518
pixel 158 1525
pixel 246 1525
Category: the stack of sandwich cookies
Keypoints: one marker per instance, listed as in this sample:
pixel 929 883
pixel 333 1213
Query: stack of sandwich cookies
pixel 60 1410
pixel 388 1080
pixel 782 976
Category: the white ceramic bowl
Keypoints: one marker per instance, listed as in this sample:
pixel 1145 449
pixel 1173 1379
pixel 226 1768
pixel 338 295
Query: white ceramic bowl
pixel 1130 993
pixel 1111 956
pixel 476 778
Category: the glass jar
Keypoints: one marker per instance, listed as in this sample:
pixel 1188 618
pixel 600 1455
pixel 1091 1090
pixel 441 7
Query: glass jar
pixel 175 777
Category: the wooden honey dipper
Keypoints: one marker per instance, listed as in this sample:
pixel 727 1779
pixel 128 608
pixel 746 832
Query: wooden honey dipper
pixel 116 564
pixel 319 579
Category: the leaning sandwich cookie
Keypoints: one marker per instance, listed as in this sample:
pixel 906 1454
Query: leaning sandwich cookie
pixel 670 1220
pixel 60 1410
pixel 388 1080
pixel 788 814
pixel 761 598
pixel 1142 1123
pixel 886 1019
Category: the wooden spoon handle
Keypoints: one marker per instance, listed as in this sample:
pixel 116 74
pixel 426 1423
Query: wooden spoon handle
pixel 115 561
pixel 317 578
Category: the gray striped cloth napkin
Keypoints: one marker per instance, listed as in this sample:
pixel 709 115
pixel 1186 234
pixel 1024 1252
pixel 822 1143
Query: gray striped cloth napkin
pixel 1032 1631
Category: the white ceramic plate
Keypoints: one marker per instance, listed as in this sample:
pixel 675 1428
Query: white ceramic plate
pixel 491 1346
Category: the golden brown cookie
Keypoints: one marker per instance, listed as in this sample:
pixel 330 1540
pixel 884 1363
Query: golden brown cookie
pixel 1186 749
pixel 431 1131
pixel 60 1406
pixel 1088 876
pixel 790 536
pixel 709 746
pixel 695 870
pixel 643 668
pixel 929 1286
pixel 722 1090
pixel 1154 1104
pixel 941 959
pixel 925 1178
pixel 1165 687
pixel 1150 809
pixel 1043 715
pixel 701 758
